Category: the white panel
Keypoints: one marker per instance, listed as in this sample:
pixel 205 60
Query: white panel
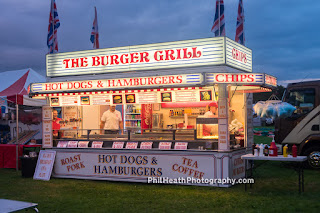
pixel 190 53
pixel 238 56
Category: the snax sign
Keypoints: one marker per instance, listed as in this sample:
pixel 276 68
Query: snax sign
pixel 190 53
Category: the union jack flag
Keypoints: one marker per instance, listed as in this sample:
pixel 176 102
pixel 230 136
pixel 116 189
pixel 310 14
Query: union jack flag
pixel 54 24
pixel 240 24
pixel 218 24
pixel 94 33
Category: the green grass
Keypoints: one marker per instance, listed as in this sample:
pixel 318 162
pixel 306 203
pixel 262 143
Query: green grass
pixel 275 190
pixel 261 139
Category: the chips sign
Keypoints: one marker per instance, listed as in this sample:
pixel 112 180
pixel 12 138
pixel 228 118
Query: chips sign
pixel 189 53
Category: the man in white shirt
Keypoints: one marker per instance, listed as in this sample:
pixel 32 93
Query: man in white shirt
pixel 212 110
pixel 111 121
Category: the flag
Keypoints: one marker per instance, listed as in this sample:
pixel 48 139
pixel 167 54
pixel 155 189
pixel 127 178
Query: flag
pixel 54 24
pixel 218 24
pixel 95 33
pixel 240 24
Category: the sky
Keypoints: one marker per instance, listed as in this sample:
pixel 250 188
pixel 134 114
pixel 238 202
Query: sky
pixel 283 35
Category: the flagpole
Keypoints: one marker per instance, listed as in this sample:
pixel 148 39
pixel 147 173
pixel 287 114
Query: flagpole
pixel 219 19
pixel 53 35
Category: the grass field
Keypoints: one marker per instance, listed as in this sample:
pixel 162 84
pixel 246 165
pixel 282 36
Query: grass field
pixel 275 190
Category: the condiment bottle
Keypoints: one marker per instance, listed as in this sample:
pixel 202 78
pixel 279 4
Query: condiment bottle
pixel 256 153
pixel 261 150
pixel 294 151
pixel 266 150
pixel 285 150
pixel 273 150
pixel 253 148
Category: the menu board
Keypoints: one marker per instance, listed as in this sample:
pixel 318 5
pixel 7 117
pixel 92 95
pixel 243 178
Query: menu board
pixel 44 165
pixel 69 100
pixel 132 145
pixel 46 113
pixel 206 95
pixel 186 96
pixel 181 145
pixel 146 145
pixel 165 145
pixel 166 97
pixel 103 99
pixel 117 145
pixel 117 99
pixel 83 144
pixel 62 144
pixel 148 97
pixel 97 144
pixel 85 100
pixel 72 144
pixel 54 101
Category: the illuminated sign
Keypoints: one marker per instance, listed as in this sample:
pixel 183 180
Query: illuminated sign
pixel 189 53
pixel 241 78
pixel 122 83
pixel 270 80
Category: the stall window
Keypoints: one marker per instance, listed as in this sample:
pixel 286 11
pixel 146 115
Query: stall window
pixel 302 99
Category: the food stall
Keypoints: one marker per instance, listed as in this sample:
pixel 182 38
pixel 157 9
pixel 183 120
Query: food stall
pixel 162 92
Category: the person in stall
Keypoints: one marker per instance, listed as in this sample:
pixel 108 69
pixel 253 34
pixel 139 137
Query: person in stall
pixel 212 112
pixel 111 121
pixel 56 125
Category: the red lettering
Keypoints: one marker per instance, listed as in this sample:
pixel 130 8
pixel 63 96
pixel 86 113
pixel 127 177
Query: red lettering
pixel 95 61
pixel 157 80
pixel 179 79
pixel 169 55
pixel 150 81
pixel 124 60
pixel 196 54
pixel 164 79
pixel 158 57
pixel 84 62
pixel 103 60
pixel 243 77
pixel 136 82
pixel 114 59
pixel 144 57
pixel 74 62
pixel 178 54
pixel 250 78
pixel 89 84
pixel 186 54
pixel 66 62
pixel 127 82
pixel 171 79
pixel 134 57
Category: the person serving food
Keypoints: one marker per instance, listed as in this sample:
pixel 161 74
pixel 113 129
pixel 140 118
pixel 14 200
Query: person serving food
pixel 111 121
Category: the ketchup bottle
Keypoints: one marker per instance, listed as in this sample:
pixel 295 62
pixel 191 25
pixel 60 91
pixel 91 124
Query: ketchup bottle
pixel 273 150
pixel 294 151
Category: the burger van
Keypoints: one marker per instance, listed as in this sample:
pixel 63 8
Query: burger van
pixel 302 128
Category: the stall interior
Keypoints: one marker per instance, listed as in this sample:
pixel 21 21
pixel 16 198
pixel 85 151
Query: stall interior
pixel 177 114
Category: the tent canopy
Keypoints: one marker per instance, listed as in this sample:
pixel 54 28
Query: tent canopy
pixel 14 85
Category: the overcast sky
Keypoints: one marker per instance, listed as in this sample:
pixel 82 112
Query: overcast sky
pixel 283 35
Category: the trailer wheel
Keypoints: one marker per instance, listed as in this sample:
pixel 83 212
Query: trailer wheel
pixel 313 154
